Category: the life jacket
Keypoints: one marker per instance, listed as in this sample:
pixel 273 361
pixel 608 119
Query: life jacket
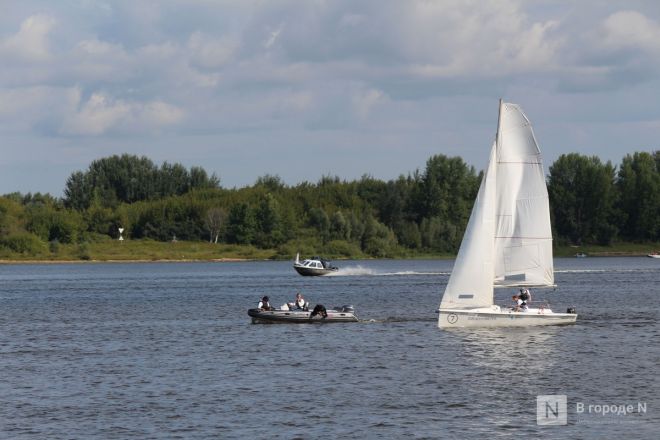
pixel 524 296
pixel 264 305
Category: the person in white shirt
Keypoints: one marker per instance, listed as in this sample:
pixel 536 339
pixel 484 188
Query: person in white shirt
pixel 521 306
pixel 264 304
pixel 300 302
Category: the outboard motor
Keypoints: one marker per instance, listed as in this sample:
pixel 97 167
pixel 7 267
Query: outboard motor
pixel 571 310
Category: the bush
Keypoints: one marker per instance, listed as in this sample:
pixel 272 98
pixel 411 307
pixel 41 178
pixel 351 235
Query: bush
pixel 83 251
pixel 306 248
pixel 24 243
pixel 342 248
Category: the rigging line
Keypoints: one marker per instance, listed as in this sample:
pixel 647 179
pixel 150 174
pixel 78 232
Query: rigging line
pixel 528 238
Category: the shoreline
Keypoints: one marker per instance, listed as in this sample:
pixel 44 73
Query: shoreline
pixel 240 260
pixel 185 260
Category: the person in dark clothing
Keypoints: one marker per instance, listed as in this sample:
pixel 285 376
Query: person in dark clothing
pixel 264 304
pixel 319 309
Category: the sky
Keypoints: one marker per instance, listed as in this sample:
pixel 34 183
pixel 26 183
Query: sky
pixel 303 89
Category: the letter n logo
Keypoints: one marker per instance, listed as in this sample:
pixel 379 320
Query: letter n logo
pixel 551 409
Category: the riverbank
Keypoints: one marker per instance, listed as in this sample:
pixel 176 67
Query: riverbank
pixel 622 249
pixel 182 251
pixel 140 251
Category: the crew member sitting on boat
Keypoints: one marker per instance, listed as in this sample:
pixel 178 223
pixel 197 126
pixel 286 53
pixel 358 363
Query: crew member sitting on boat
pixel 299 303
pixel 264 304
pixel 526 296
pixel 319 309
pixel 520 304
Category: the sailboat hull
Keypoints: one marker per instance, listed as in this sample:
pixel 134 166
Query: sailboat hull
pixel 496 317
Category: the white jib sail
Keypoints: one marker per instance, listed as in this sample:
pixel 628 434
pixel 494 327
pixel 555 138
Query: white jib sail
pixel 508 240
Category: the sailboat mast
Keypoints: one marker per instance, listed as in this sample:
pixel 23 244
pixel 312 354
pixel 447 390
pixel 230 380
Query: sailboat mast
pixel 499 120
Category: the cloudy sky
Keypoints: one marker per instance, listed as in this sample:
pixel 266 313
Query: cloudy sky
pixel 308 88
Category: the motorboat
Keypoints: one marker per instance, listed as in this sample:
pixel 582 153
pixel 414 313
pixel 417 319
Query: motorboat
pixel 580 255
pixel 654 255
pixel 315 266
pixel 300 316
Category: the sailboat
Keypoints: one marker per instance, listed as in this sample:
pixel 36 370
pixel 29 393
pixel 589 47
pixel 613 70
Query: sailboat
pixel 508 240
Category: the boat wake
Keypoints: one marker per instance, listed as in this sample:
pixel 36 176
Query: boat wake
pixel 351 271
pixel 606 270
pixel 391 319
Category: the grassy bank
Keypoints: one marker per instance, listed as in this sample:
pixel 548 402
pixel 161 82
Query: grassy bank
pixel 615 250
pixel 143 250
pixel 149 250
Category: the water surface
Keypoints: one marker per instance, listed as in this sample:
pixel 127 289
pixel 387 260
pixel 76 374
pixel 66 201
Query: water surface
pixel 166 350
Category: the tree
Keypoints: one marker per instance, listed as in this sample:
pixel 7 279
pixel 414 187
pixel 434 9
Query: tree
pixel 129 179
pixel 11 213
pixel 639 187
pixel 199 179
pixel 339 227
pixel 267 219
pixel 77 191
pixel 582 195
pixel 241 225
pixel 319 220
pixel 378 240
pixel 409 236
pixel 214 221
pixel 394 202
pixel 50 224
pixel 447 190
pixel 272 183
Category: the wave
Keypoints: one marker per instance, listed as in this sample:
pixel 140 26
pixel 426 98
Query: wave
pixel 391 319
pixel 606 270
pixel 352 271
pixel 365 271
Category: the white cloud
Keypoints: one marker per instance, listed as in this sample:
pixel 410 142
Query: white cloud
pixel 365 100
pixel 158 114
pixel 31 41
pixel 102 114
pixel 621 50
pixel 272 36
pixel 479 39
pixel 23 109
pixel 97 48
pixel 210 53
pixel 96 116
pixel 409 73
pixel 631 29
pixel 95 60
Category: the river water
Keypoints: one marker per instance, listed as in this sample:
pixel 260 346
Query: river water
pixel 166 350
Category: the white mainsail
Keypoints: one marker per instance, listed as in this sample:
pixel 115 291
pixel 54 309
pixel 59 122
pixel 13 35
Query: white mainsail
pixel 508 240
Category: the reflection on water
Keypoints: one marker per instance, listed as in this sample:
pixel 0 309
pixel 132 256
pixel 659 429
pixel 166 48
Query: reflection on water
pixel 514 353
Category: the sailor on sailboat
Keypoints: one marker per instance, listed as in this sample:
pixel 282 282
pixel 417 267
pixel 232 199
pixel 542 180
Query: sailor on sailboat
pixel 508 240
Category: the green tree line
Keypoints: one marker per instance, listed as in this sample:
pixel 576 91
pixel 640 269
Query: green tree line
pixel 424 212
